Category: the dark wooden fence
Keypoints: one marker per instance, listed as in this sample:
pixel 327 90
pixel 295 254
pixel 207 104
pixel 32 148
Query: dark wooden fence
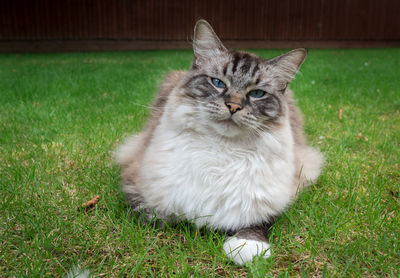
pixel 121 24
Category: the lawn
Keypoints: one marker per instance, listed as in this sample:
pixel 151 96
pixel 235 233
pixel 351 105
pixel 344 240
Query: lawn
pixel 62 115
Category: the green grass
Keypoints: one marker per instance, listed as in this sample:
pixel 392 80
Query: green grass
pixel 61 115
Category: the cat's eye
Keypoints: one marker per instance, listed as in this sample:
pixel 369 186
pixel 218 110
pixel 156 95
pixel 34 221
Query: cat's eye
pixel 257 93
pixel 218 83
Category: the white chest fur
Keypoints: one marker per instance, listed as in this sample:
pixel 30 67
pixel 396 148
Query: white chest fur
pixel 217 183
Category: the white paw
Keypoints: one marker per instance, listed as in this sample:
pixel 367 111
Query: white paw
pixel 76 272
pixel 241 251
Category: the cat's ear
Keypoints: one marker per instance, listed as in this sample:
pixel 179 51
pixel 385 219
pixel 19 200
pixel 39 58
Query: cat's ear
pixel 206 43
pixel 287 65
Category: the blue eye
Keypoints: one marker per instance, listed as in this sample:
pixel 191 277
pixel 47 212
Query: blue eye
pixel 218 83
pixel 257 93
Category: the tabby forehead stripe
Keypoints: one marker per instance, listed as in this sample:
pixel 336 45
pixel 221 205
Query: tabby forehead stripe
pixel 224 70
pixel 236 59
pixel 247 62
pixel 255 69
pixel 244 62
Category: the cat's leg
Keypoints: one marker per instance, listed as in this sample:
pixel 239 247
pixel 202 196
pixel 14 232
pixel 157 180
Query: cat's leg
pixel 143 212
pixel 310 163
pixel 147 215
pixel 247 243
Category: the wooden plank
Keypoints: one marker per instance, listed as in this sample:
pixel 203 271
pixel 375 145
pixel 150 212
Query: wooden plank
pixel 173 20
pixel 127 45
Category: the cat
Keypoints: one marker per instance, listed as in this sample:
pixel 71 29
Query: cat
pixel 224 146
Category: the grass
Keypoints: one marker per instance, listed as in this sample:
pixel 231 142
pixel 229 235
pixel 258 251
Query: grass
pixel 61 115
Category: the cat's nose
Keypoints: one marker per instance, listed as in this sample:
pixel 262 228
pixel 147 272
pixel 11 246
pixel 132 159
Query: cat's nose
pixel 233 107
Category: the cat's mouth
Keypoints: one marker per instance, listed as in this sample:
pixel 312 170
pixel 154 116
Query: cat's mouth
pixel 227 126
pixel 229 122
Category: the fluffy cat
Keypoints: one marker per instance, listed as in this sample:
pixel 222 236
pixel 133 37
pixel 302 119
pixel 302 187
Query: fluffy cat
pixel 224 146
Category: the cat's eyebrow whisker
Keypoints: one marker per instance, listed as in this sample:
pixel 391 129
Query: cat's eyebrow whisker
pixel 145 106
pixel 150 107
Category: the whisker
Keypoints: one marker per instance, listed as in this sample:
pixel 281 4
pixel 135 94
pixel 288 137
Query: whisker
pixel 142 105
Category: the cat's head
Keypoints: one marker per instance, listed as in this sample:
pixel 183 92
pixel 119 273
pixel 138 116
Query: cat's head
pixel 236 93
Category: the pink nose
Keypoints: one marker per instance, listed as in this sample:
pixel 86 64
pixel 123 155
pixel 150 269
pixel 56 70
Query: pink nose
pixel 233 107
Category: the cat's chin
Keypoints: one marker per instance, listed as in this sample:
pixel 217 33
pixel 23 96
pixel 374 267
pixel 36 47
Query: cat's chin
pixel 226 128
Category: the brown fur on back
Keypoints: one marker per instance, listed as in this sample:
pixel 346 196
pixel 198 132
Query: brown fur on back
pixel 170 81
pixel 304 155
pixel 131 159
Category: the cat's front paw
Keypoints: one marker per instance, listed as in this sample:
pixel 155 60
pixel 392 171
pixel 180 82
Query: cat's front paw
pixel 241 250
